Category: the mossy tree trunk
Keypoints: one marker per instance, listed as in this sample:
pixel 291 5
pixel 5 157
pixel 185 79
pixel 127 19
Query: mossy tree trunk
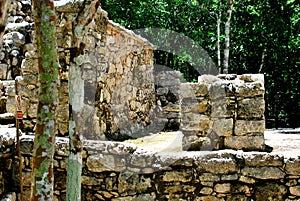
pixel 43 178
pixel 4 7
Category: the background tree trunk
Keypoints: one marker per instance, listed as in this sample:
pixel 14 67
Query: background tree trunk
pixel 4 6
pixel 227 36
pixel 76 92
pixel 43 178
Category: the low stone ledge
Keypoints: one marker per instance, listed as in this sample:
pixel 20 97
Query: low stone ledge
pixel 124 171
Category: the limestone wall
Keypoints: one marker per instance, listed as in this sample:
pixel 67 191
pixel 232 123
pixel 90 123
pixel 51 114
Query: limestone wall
pixel 223 112
pixel 116 74
pixel 126 97
pixel 16 40
pixel 121 171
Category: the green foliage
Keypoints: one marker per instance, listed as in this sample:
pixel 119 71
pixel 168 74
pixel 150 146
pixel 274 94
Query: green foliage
pixel 264 39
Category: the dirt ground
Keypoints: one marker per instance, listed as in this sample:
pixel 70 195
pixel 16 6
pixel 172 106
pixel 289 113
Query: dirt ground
pixel 285 141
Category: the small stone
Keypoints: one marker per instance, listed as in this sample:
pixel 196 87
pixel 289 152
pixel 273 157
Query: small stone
pixel 247 180
pixel 222 188
pixel 231 177
pixel 295 190
pixel 206 191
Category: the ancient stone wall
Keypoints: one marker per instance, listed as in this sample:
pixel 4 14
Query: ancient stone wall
pixel 17 39
pixel 223 112
pixel 121 171
pixel 116 74
pixel 126 97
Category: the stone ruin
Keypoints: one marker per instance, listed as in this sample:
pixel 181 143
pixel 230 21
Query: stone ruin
pixel 126 97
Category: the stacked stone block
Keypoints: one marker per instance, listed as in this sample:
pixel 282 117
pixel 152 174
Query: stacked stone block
pixel 16 40
pixel 223 112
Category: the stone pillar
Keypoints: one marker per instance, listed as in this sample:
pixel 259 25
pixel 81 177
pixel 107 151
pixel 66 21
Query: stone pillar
pixel 224 112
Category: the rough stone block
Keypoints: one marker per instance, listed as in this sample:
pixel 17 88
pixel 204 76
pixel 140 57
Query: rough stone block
pixel 230 177
pixel 91 181
pixel 193 90
pixel 292 166
pixel 264 173
pixel 196 122
pixel 101 163
pixel 248 143
pixel 270 191
pixel 262 159
pixel 217 90
pixel 200 90
pixel 223 127
pixel 195 143
pixel 251 89
pixel 244 127
pixel 206 191
pixel 251 108
pixel 222 163
pixel 222 108
pixel 209 177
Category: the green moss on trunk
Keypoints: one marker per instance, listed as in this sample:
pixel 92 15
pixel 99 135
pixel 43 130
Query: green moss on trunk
pixel 42 188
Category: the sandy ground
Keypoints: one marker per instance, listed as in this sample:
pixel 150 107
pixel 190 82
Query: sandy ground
pixel 285 141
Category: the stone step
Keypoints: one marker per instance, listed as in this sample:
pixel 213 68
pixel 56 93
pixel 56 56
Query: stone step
pixel 7 118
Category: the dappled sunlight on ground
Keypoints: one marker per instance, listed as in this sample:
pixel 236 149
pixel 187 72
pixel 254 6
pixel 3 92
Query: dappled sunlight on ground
pixel 286 141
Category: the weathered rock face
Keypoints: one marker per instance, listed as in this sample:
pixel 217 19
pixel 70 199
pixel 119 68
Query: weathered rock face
pixel 17 38
pixel 4 7
pixel 120 171
pixel 223 112
pixel 125 96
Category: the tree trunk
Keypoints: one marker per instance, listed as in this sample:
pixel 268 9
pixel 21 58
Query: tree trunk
pixel 219 43
pixel 219 36
pixel 4 7
pixel 227 36
pixel 76 94
pixel 43 151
